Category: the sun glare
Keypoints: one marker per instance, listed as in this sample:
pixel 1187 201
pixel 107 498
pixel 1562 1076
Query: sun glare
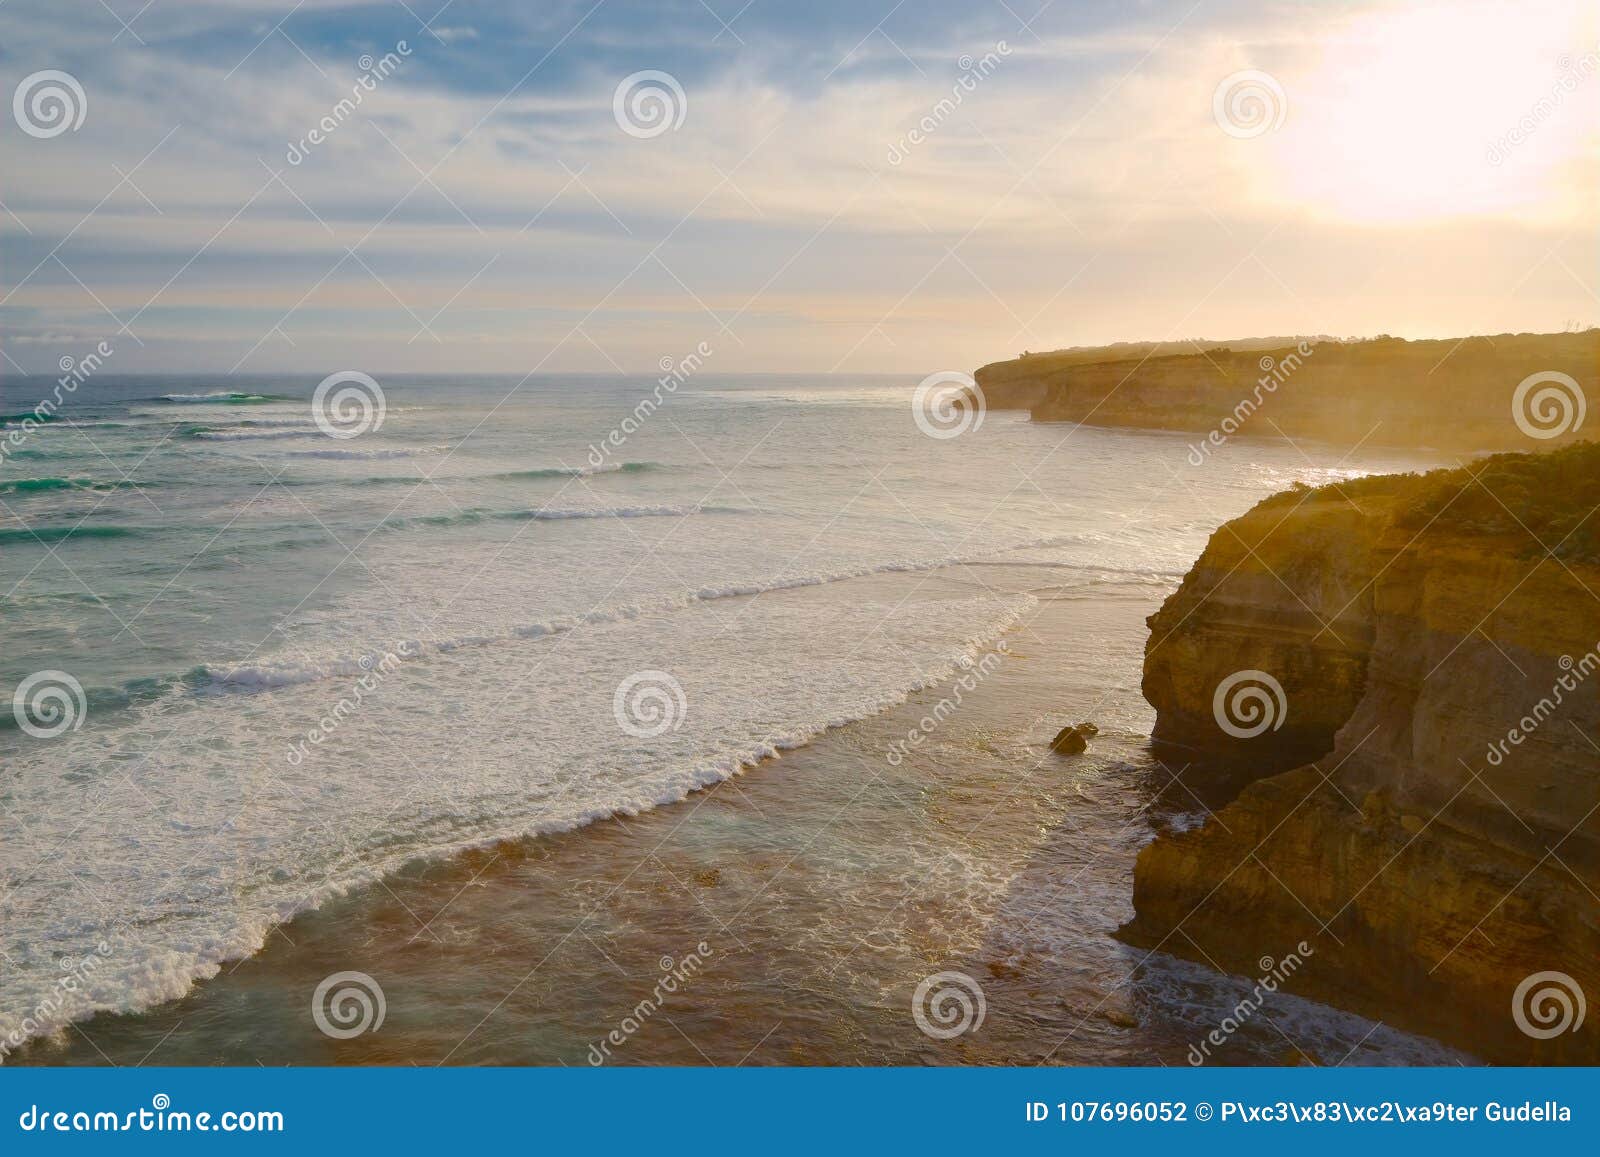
pixel 1442 112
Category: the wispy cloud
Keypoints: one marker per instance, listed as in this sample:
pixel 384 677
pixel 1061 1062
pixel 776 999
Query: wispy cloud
pixel 1081 191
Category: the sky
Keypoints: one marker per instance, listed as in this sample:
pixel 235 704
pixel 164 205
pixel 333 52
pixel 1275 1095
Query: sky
pixel 829 186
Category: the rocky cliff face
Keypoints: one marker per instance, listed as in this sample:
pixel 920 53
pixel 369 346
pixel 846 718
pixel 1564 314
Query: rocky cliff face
pixel 1437 642
pixel 1458 394
pixel 1292 601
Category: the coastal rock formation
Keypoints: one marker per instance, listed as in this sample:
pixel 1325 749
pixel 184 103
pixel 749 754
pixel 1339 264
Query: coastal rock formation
pixel 1023 383
pixel 1451 394
pixel 1439 638
pixel 1073 740
pixel 1286 607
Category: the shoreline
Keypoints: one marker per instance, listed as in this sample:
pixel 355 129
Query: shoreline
pixel 702 778
pixel 796 876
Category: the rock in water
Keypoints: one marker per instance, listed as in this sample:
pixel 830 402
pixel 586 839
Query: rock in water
pixel 1073 740
pixel 1069 741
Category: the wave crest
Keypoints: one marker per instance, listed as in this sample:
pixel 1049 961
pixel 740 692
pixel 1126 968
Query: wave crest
pixel 221 397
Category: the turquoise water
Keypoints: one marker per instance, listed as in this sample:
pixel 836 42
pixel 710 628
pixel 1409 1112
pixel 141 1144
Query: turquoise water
pixel 308 660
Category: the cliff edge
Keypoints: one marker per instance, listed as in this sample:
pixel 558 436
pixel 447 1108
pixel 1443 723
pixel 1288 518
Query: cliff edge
pixel 1459 393
pixel 1422 654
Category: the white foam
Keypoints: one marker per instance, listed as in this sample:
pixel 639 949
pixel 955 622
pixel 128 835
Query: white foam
pixel 545 514
pixel 354 452
pixel 196 914
pixel 215 395
pixel 236 435
pixel 269 674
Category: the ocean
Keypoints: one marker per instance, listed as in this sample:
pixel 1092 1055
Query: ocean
pixel 512 702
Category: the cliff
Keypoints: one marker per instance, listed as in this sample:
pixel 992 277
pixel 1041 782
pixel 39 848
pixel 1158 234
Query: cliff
pixel 1435 640
pixel 1449 394
pixel 1023 383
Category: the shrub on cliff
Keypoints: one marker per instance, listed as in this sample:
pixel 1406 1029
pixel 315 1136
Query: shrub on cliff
pixel 1551 501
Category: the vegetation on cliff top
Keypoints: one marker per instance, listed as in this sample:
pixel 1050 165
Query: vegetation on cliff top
pixel 1549 497
pixel 1465 394
pixel 1552 497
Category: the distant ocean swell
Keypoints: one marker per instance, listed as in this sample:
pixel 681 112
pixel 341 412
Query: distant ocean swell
pixel 45 485
pixel 55 534
pixel 559 514
pixel 541 474
pixel 221 397
pixel 581 471
pixel 357 453
pixel 43 535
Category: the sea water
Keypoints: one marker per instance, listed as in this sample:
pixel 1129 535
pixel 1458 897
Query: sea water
pixel 512 609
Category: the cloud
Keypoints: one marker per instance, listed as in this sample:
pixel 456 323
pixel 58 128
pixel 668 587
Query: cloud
pixel 1078 190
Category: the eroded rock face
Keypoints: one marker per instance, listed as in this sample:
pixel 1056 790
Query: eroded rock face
pixel 1447 848
pixel 1271 601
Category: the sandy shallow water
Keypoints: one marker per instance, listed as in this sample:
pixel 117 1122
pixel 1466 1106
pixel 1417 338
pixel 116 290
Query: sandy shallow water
pixel 796 907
